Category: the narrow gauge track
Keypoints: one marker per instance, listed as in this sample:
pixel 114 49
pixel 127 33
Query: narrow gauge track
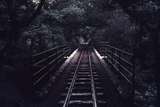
pixel 83 85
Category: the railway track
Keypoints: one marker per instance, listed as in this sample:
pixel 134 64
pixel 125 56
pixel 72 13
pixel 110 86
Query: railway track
pixel 84 82
pixel 84 85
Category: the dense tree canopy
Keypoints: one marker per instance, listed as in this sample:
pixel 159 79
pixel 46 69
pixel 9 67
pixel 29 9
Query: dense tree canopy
pixel 31 26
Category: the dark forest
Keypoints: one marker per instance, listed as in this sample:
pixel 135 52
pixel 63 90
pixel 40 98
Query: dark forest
pixel 38 37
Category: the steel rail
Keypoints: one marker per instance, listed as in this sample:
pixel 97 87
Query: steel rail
pixel 66 102
pixel 46 73
pixel 92 83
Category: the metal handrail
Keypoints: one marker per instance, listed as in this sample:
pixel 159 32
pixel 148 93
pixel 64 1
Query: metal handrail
pixel 41 77
pixel 117 56
pixel 122 59
pixel 120 50
pixel 122 74
pixel 50 56
pixel 43 52
pixel 44 67
pixel 117 62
